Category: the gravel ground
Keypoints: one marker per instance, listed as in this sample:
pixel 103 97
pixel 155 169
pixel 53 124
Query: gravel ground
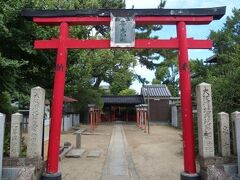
pixel 157 156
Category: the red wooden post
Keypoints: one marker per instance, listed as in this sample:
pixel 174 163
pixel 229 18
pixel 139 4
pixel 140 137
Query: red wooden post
pixel 92 118
pixel 186 101
pixel 57 102
pixel 145 119
pixel 99 116
pixel 141 118
pixel 89 117
pixel 95 119
pixel 137 116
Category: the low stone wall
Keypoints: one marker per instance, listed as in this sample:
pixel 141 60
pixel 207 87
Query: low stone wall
pixel 23 168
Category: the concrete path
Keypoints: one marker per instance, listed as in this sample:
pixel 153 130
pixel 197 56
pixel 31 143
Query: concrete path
pixel 118 164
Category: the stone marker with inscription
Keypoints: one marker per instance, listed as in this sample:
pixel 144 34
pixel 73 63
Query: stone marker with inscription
pixel 122 30
pixel 224 134
pixel 15 142
pixel 236 118
pixel 233 134
pixel 205 120
pixel 2 127
pixel 35 126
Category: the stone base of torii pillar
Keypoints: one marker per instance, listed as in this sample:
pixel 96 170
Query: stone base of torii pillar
pixel 47 176
pixel 185 176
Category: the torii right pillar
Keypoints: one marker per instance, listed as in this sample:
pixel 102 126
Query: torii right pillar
pixel 186 103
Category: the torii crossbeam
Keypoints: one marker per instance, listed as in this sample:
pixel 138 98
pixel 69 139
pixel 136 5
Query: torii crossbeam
pixel 179 17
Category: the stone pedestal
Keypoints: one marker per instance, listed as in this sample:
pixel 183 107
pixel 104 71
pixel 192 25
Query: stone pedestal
pixel 236 118
pixel 205 120
pixel 35 126
pixel 15 142
pixel 2 128
pixel 224 134
pixel 185 176
pixel 57 176
pixel 34 166
pixel 78 141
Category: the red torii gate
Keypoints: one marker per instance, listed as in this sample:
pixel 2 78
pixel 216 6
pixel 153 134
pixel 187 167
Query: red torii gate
pixel 178 17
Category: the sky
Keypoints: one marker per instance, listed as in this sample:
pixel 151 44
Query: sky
pixel 197 32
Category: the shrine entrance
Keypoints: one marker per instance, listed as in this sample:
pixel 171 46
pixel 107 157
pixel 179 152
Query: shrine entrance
pixel 122 22
pixel 120 108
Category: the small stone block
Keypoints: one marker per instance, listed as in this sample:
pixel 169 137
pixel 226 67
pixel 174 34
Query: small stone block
pixel 80 131
pixel 230 169
pixel 94 153
pixel 216 172
pixel 75 153
pixel 64 152
pixel 19 173
pixel 26 173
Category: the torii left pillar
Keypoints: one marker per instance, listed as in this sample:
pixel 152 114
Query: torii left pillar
pixel 57 101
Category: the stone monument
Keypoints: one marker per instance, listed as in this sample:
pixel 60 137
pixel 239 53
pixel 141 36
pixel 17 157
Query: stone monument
pixel 233 133
pixel 35 126
pixel 236 118
pixel 15 142
pixel 224 134
pixel 205 120
pixel 2 127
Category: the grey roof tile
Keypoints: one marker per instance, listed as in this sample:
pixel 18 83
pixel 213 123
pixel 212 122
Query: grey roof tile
pixel 155 91
pixel 137 99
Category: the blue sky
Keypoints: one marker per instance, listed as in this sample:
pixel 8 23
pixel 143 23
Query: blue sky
pixel 197 32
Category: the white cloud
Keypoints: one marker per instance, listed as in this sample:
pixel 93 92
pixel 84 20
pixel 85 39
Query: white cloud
pixel 140 4
pixel 184 4
pixel 145 73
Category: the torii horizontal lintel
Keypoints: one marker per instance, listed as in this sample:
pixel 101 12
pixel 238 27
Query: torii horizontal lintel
pixel 139 44
pixel 140 20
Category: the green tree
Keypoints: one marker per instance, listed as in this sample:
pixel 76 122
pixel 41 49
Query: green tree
pixel 167 71
pixel 127 92
pixel 224 75
pixel 23 67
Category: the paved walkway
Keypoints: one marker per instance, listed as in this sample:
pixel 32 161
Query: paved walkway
pixel 118 164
